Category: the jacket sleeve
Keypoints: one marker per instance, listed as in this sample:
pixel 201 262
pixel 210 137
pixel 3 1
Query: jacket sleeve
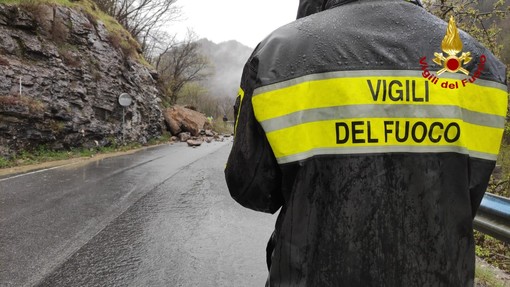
pixel 252 173
pixel 480 170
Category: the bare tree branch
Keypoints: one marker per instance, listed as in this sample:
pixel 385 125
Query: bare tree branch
pixel 142 18
pixel 179 64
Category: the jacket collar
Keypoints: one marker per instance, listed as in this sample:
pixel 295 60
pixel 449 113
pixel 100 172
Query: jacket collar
pixel 309 7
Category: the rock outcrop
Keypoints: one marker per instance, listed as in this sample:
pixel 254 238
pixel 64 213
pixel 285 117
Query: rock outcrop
pixel 71 71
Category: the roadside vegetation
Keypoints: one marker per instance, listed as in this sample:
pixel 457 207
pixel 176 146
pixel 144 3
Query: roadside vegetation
pixel 488 22
pixel 44 154
pixel 485 276
pixel 492 250
pixel 222 127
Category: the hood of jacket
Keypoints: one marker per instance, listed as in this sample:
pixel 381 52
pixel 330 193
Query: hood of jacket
pixel 309 7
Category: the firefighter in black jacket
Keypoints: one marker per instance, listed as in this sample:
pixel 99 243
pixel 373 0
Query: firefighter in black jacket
pixel 374 126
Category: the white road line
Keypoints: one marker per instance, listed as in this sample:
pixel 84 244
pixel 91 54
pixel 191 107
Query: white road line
pixel 37 171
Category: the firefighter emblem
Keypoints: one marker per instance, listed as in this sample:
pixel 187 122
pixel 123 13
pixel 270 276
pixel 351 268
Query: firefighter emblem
pixel 452 45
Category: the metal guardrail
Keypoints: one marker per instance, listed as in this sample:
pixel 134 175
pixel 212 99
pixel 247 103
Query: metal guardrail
pixel 493 217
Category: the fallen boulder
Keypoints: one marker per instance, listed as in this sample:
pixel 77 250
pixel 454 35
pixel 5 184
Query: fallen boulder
pixel 209 133
pixel 180 119
pixel 194 143
pixel 183 137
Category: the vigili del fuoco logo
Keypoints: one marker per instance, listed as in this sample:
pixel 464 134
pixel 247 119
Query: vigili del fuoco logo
pixel 451 62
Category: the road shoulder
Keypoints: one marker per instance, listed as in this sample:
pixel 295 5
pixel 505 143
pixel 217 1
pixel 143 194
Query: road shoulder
pixel 13 171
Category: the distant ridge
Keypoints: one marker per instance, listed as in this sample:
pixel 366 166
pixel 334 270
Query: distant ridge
pixel 227 59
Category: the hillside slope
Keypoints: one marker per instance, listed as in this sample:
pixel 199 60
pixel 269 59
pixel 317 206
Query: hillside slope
pixel 70 70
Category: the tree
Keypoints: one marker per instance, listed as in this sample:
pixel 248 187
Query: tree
pixel 179 64
pixel 484 21
pixel 160 43
pixel 226 105
pixel 142 18
pixel 209 106
pixel 193 94
pixel 480 20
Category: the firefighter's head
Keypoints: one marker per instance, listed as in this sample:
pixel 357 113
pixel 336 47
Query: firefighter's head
pixel 309 7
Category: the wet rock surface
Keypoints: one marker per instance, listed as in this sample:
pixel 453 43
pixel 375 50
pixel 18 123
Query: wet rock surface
pixel 70 76
pixel 183 137
pixel 194 143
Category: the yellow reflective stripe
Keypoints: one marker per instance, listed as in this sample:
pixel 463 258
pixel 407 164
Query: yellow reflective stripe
pixel 269 104
pixel 380 135
pixel 483 139
pixel 240 94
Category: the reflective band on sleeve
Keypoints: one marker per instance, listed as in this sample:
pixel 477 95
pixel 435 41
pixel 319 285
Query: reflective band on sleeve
pixel 380 112
pixel 240 94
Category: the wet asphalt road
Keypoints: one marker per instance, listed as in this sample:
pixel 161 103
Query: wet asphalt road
pixel 159 217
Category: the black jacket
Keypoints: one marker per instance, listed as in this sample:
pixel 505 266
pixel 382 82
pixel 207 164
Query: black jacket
pixel 377 155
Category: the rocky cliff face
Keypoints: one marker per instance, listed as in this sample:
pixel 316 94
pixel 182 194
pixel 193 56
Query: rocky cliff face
pixel 71 73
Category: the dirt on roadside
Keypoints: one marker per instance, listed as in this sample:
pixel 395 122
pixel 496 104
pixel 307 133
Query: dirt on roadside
pixel 500 277
pixel 5 172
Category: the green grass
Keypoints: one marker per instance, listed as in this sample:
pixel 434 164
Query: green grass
pixel 34 2
pixel 220 127
pixel 486 277
pixel 43 154
pixel 494 251
pixel 162 139
pixel 4 162
pixel 504 162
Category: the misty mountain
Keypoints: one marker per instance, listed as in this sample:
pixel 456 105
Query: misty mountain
pixel 227 62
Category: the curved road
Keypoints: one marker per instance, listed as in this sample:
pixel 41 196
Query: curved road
pixel 159 217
